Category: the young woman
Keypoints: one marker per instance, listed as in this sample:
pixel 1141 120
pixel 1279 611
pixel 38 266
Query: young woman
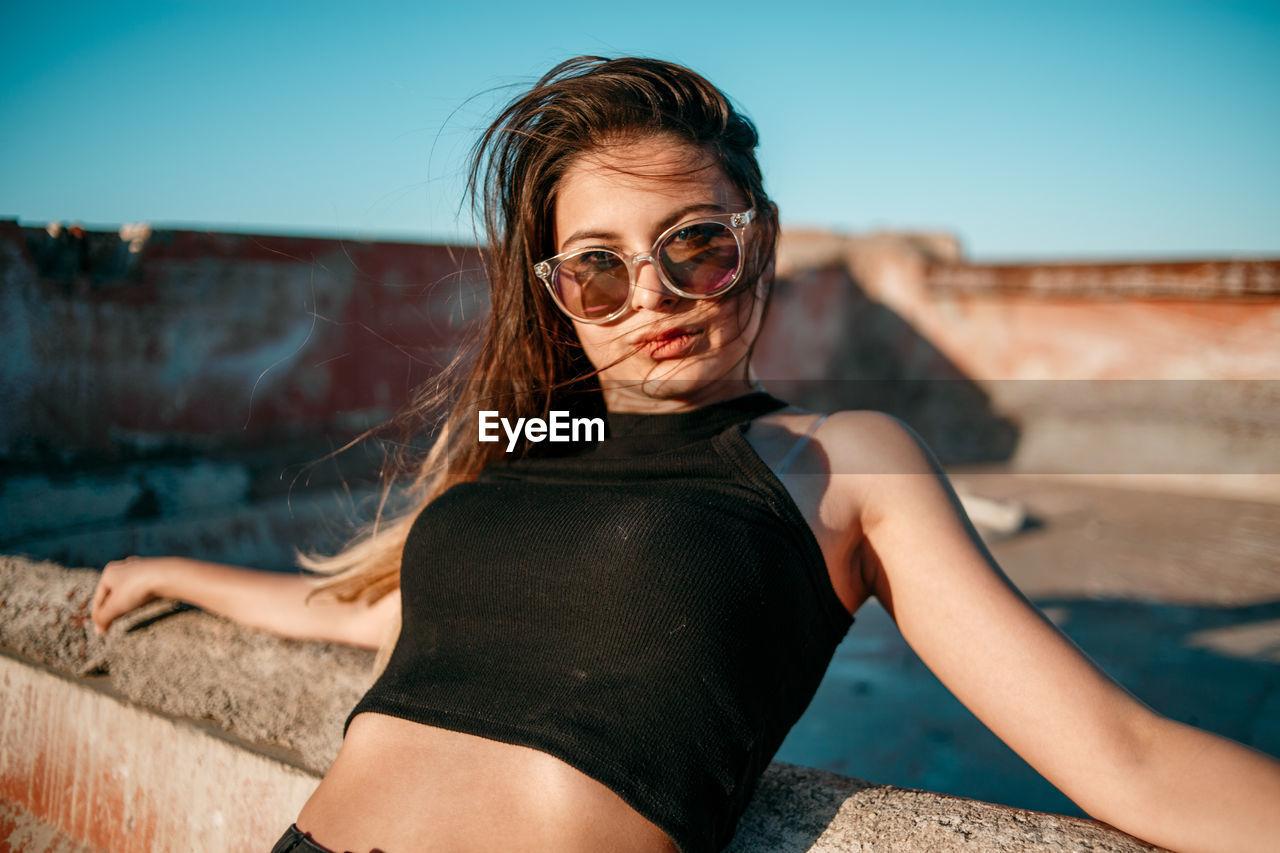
pixel 603 644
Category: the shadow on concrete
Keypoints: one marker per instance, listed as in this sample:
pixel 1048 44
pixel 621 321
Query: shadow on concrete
pixel 881 715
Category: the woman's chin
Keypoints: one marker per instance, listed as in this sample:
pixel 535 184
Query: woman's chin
pixel 693 381
pixel 672 388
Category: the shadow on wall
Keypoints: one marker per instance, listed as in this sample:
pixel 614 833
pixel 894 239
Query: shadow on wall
pixel 827 346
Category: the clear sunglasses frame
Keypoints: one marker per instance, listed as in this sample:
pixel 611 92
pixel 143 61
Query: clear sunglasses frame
pixel 737 222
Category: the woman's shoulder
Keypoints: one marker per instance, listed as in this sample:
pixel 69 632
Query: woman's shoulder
pixel 848 441
pixel 848 463
pixel 871 441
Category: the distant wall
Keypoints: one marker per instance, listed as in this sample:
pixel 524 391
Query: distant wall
pixel 1163 374
pixel 149 343
pixel 189 338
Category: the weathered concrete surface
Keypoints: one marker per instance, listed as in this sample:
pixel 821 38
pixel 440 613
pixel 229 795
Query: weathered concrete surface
pixel 894 301
pixel 251 684
pixel 259 687
pixel 22 832
pixel 1239 278
pixel 797 808
pixel 1147 545
pixel 203 339
pixel 94 755
pixel 44 615
pixel 112 776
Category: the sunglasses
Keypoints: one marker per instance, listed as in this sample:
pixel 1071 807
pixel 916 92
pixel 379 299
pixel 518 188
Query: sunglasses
pixel 697 259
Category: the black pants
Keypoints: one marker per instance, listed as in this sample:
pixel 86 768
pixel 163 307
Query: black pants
pixel 295 840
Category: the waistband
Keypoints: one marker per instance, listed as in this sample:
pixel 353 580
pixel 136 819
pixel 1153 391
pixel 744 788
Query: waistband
pixel 295 840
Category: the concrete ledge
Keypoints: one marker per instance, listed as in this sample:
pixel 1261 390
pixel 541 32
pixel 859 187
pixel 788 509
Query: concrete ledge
pixel 112 776
pixel 285 694
pixel 1199 279
pixel 184 732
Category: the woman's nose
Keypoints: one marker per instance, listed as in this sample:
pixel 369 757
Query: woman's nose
pixel 649 291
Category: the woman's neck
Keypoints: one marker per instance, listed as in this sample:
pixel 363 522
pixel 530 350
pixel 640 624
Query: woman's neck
pixel 644 399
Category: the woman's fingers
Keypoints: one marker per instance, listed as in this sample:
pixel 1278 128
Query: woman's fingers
pixel 123 587
pixel 101 615
pixel 100 594
pixel 98 614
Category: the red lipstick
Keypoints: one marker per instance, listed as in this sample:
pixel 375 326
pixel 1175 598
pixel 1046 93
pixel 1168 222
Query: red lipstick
pixel 669 343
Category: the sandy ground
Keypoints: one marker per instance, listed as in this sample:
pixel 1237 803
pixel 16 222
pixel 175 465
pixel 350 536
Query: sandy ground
pixel 1177 597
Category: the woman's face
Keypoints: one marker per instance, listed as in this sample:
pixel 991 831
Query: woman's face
pixel 667 353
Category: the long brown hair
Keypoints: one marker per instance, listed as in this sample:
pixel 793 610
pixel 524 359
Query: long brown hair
pixel 527 353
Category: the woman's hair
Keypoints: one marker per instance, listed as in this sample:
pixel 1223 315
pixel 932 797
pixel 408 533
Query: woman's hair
pixel 527 356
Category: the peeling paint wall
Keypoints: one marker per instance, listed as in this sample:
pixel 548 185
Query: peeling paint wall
pixel 215 339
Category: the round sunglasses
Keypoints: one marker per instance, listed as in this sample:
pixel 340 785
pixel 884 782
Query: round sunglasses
pixel 696 259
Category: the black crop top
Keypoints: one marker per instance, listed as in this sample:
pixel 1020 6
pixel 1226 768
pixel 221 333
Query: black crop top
pixel 654 611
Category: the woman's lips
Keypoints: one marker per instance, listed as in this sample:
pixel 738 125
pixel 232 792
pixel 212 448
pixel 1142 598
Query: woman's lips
pixel 675 343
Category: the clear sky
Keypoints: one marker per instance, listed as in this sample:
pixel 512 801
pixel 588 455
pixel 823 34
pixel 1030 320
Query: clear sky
pixel 1081 129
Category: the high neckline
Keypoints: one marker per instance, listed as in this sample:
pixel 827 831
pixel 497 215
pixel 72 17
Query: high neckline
pixel 712 417
pixel 632 433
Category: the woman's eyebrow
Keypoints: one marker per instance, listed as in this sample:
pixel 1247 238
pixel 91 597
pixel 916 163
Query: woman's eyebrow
pixel 671 219
pixel 683 213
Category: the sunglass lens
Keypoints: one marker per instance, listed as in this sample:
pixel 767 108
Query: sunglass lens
pixel 701 258
pixel 592 285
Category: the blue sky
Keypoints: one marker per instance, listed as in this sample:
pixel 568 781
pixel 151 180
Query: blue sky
pixel 1031 130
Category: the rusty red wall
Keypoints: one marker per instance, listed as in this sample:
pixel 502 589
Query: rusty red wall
pixel 210 338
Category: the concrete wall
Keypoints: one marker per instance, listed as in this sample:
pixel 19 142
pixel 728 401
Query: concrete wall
pixel 124 345
pixel 180 392
pixel 203 340
pixel 183 732
pixel 1164 375
pixel 1205 319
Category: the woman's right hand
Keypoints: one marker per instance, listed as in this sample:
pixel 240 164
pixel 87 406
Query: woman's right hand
pixel 273 601
pixel 125 585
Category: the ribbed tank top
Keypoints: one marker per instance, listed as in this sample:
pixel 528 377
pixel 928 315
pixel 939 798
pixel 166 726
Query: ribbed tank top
pixel 654 611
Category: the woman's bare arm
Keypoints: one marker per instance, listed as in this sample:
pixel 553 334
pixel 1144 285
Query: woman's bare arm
pixel 1123 763
pixel 271 601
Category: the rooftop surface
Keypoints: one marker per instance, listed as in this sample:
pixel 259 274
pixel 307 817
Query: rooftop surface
pixel 1175 596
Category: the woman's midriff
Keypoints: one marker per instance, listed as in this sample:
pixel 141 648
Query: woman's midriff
pixel 401 786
